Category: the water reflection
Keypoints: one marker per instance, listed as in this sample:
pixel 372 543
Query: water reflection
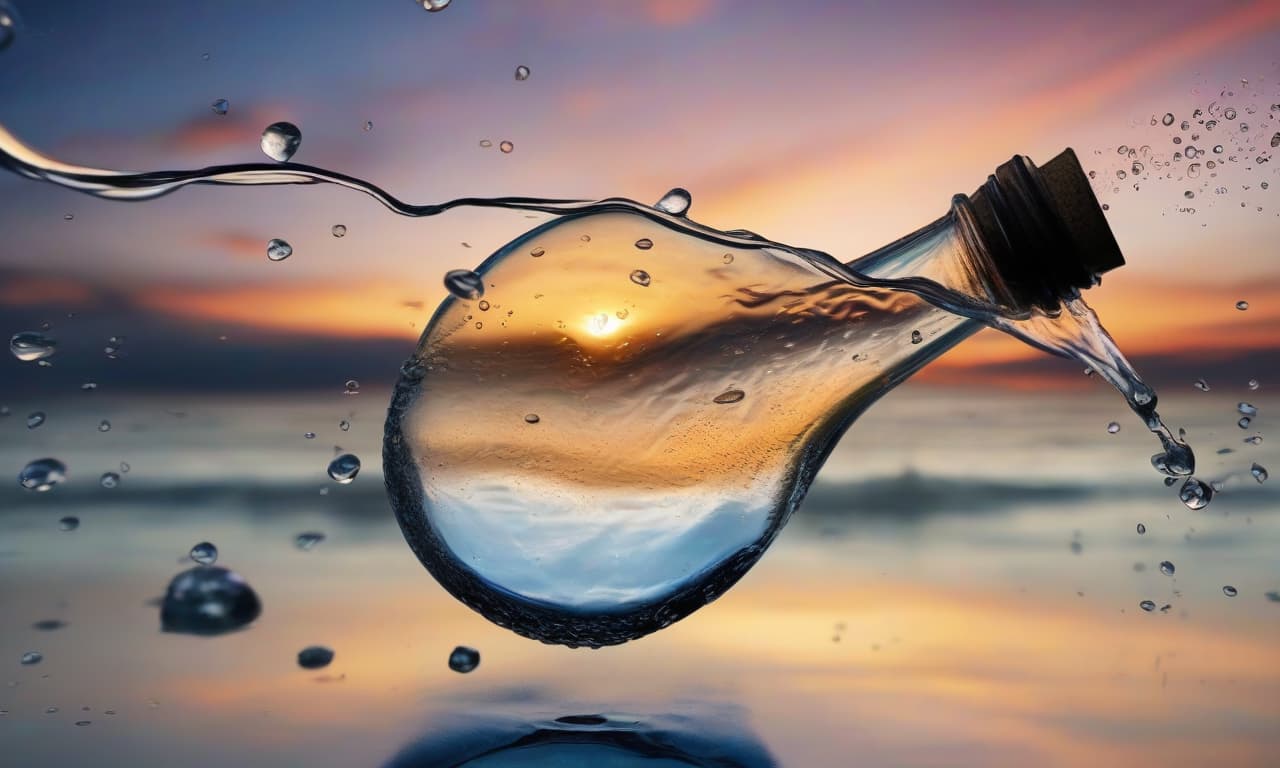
pixel 705 735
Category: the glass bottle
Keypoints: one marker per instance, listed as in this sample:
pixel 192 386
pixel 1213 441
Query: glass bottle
pixel 613 434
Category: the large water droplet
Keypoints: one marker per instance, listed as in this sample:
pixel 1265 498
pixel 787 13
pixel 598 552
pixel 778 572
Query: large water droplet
pixel 1230 591
pixel 31 657
pixel 220 107
pixel 464 284
pixel 675 202
pixel 1195 494
pixel 278 250
pixel 31 345
pixel 208 600
pixel 204 553
pixel 464 659
pixel 42 474
pixel 1166 568
pixel 35 419
pixel 344 468
pixel 280 141
pixel 307 540
pixel 506 147
pixel 1247 409
pixel 522 73
pixel 1147 605
pixel 315 657
pixel 640 277
pixel 1167 119
pixel 1259 472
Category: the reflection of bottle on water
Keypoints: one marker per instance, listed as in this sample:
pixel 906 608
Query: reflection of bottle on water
pixel 613 426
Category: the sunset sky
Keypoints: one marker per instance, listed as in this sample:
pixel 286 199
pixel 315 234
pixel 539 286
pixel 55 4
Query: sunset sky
pixel 832 125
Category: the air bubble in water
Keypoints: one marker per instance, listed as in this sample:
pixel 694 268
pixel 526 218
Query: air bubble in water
pixel 522 73
pixel 1230 591
pixel 1247 409
pixel 307 540
pixel 1167 119
pixel 1201 385
pixel 1166 568
pixel 338 230
pixel 1259 472
pixel 68 523
pixel 31 657
pixel 42 474
pixel 1195 494
pixel 208 600
pixel 315 657
pixel 464 284
pixel 1229 113
pixel 344 468
pixel 916 337
pixel 644 243
pixel 35 419
pixel 109 480
pixel 104 426
pixel 220 107
pixel 506 147
pixel 278 250
pixel 204 553
pixel 1142 529
pixel 640 277
pixel 1242 305
pixel 280 141
pixel 28 346
pixel 1113 427
pixel 1147 606
pixel 729 396
pixel 432 6
pixel 464 659
pixel 676 202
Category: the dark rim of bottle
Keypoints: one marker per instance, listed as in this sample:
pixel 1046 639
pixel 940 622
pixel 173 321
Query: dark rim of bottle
pixel 1044 231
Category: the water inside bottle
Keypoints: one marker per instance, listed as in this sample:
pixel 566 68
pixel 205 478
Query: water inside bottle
pixel 677 419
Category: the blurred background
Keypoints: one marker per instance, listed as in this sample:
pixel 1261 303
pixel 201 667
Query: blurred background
pixel 962 586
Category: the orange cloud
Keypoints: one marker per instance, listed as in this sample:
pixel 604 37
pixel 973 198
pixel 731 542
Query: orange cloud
pixel 35 290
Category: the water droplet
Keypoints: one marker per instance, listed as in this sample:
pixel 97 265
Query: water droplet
pixel 31 658
pixel 204 553
pixel 464 284
pixel 1275 140
pixel 35 419
pixel 83 723
pixel 208 600
pixel 1253 440
pixel 368 126
pixel 338 230
pixel 280 141
pixel 729 396
pixel 278 250
pixel 640 277
pixel 432 6
pixel 1195 494
pixel 220 107
pixel 1120 174
pixel 1253 384
pixel 1229 113
pixel 1242 305
pixel 1113 427
pixel 344 425
pixel 309 435
pixel 537 253
pixel 1137 168
pixel 486 144
pixel 315 657
pixel 42 474
pixel 1166 568
pixel 1217 149
pixel 1247 409
pixel 48 625
pixel 351 387
pixel 1167 119
pixel 344 468
pixel 109 480
pixel 1188 194
pixel 532 418
pixel 1147 606
pixel 675 202
pixel 307 540
pixel 31 345
pixel 916 337
pixel 1106 206
pixel 104 426
pixel 522 73
pixel 1244 422
pixel 727 258
pixel 1230 591
pixel 1259 472
pixel 88 386
pixel 1142 529
pixel 1201 385
pixel 69 523
pixel 506 147
pixel 8 27
pixel 1169 481
pixel 464 659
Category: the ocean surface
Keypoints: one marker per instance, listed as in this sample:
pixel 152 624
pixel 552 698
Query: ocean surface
pixel 961 587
